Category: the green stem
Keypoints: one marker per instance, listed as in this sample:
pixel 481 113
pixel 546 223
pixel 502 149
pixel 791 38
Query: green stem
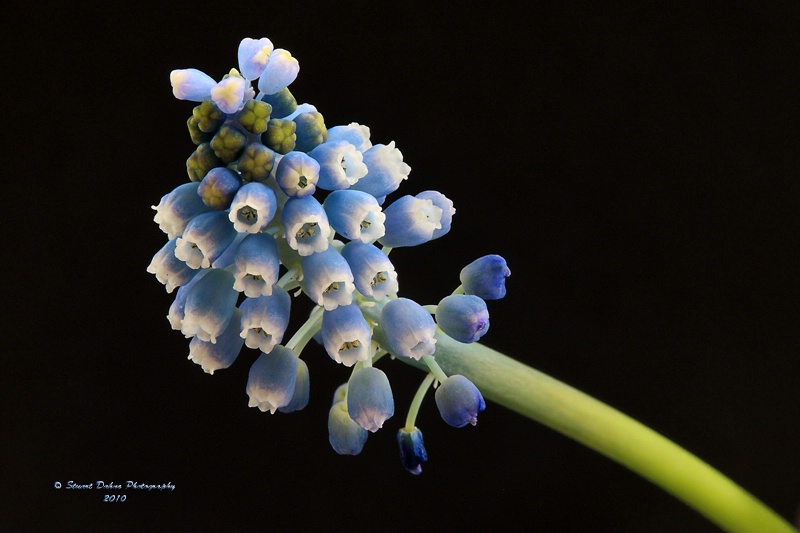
pixel 610 432
pixel 434 367
pixel 604 429
pixel 413 409
pixel 307 331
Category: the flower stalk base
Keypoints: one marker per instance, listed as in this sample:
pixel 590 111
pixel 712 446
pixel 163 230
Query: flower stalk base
pixel 577 415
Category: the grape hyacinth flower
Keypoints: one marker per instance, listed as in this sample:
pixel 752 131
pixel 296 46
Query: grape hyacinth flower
pixel 209 306
pixel 252 208
pixel 346 437
pixel 270 186
pixel 305 225
pixel 280 71
pixel 355 215
pixel 170 270
pixel 272 379
pixel 446 205
pixel 411 221
pixel 256 265
pixel 253 56
pixel 271 190
pixel 297 174
pixel 385 170
pixel 340 164
pixel 346 335
pixel 328 279
pixel 410 328
pixel 228 94
pixel 369 398
pixel 264 319
pixel 463 316
pixel 212 356
pixel 459 401
pixel 191 84
pixel 177 208
pixel 485 277
pixel 412 450
pixel 373 273
pixel 205 238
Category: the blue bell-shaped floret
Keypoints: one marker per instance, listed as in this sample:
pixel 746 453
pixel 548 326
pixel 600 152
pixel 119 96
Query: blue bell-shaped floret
pixel 412 450
pixel 344 434
pixel 459 401
pixel 328 279
pixel 265 319
pixel 346 334
pixel 253 56
pixel 270 384
pixel 369 398
pixel 486 277
pixel 177 208
pixel 463 316
pixel 302 390
pixel 373 273
pixel 355 215
pixel 222 353
pixel 409 328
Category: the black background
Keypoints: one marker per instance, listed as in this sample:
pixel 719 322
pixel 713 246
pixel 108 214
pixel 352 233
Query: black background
pixel 637 167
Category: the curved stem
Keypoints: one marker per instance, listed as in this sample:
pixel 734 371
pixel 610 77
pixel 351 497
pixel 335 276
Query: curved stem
pixel 307 331
pixel 413 409
pixel 610 432
pixel 604 429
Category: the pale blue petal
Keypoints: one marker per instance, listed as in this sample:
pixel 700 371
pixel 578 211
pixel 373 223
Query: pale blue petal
pixel 191 84
pixel 177 208
pixel 253 56
pixel 264 320
pixel 443 203
pixel 410 221
pixel 373 273
pixel 168 269
pixel 281 70
pixel 216 356
pixel 355 215
pixel 328 279
pixel 409 328
pixel 346 335
pixel 344 434
pixel 463 317
pixel 256 265
pixel 385 170
pixel 253 207
pixel 209 306
pixel 204 239
pixel 305 225
pixel 459 401
pixel 270 384
pixel 340 164
pixel 369 398
pixel 177 311
pixel 355 134
pixel 302 390
pixel 297 174
pixel 229 94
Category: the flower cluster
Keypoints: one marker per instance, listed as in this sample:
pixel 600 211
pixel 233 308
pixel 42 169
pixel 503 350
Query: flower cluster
pixel 277 202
